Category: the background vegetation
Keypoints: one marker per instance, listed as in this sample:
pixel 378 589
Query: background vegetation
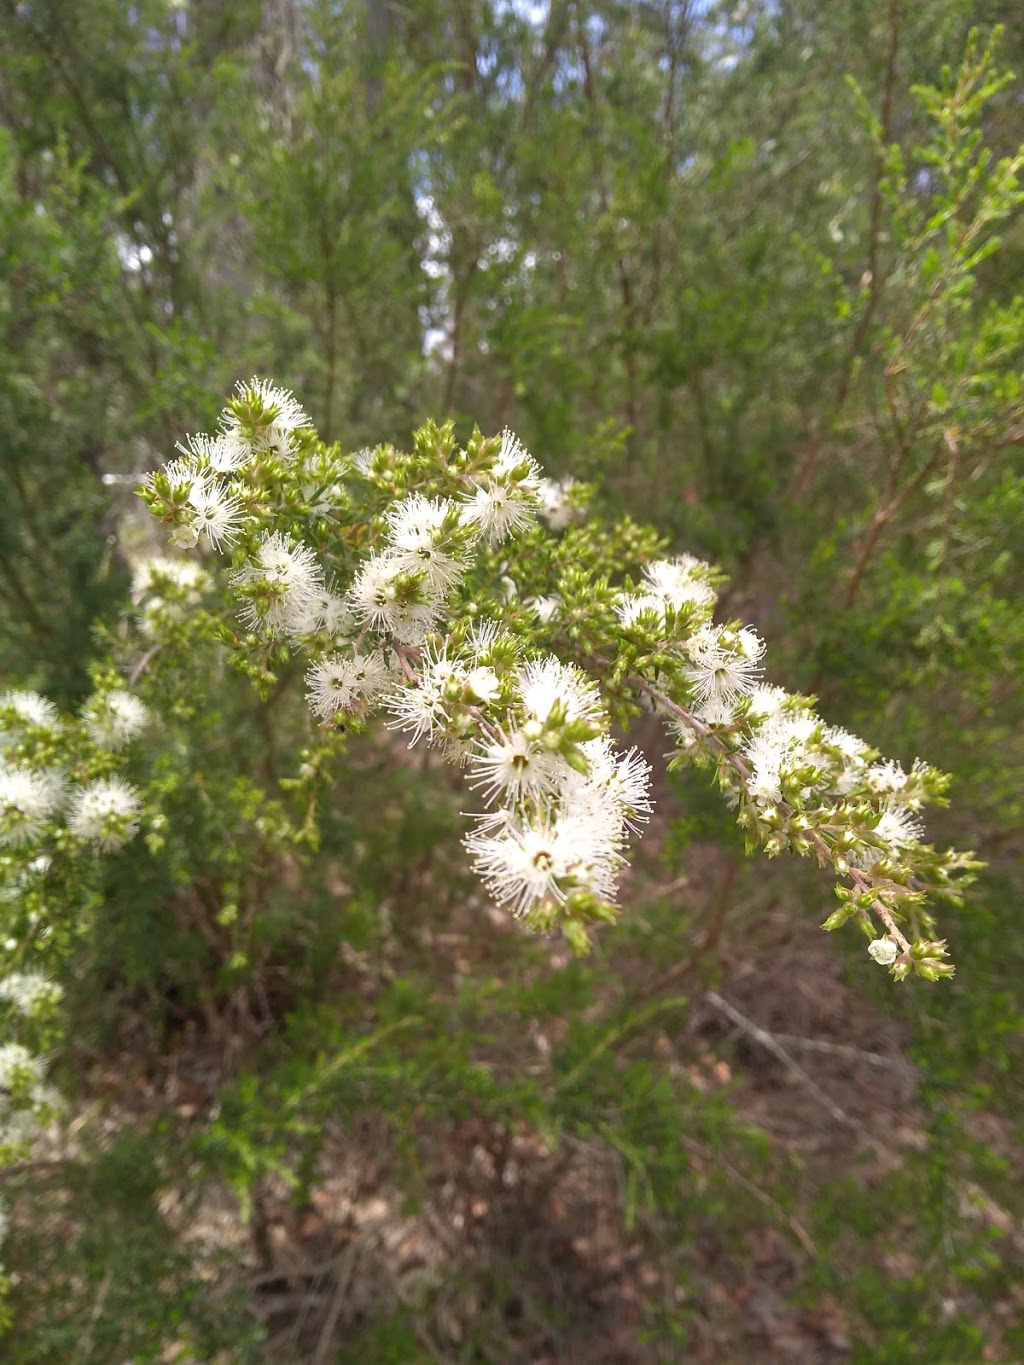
pixel 754 269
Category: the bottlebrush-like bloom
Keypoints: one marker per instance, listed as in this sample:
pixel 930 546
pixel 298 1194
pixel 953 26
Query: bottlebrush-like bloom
pixel 340 683
pixel 543 682
pixel 30 708
pixel 278 585
pixel 27 801
pixel 106 814
pixel 114 719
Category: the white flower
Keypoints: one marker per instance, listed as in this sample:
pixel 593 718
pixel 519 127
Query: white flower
pixel 31 709
pixel 513 766
pixel 321 611
pixel 545 682
pixel 717 710
pixel 416 526
pixel 897 829
pixel 884 778
pixel 546 609
pixel 158 575
pixel 766 701
pixel 184 537
pixel 717 669
pixel 216 515
pixel 679 582
pixel 505 498
pixel 223 452
pixel 374 598
pixel 884 951
pixel 556 506
pixel 425 708
pixel 488 638
pixel 105 813
pixel 274 416
pixel 339 683
pixel 483 684
pixel 526 865
pixel 848 745
pixel 181 474
pixel 26 990
pixel 499 511
pixel 115 719
pixel 27 801
pixel 278 585
pixel 19 1068
pixel 750 644
pixel 614 793
pixel 515 461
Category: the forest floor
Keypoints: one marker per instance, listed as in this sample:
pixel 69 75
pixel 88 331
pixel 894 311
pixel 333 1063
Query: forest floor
pixel 807 1061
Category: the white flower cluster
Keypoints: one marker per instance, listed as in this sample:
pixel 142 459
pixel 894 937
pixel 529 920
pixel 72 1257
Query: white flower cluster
pixel 26 1100
pixel 559 832
pixel 799 782
pixel 35 794
pixel 113 719
pixel 533 737
pixel 561 502
pixel 28 993
pixel 205 496
pixel 406 626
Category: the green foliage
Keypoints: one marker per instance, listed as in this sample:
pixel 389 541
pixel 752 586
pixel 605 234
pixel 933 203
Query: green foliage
pixel 755 277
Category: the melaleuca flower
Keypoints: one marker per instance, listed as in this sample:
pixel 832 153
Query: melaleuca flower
pixel 546 609
pixel 216 515
pixel 722 666
pixel 28 800
pixel 483 684
pixel 555 502
pixel 341 683
pixel 114 719
pixel 106 814
pixel 499 511
pixel 505 498
pixel 29 708
pixel 765 701
pixel 417 536
pixel 524 865
pixel 386 597
pixel 278 585
pixel 883 778
pixel 322 611
pixel 884 951
pixel 181 577
pixel 26 992
pixel 897 830
pixel 777 748
pixel 718 711
pixel 850 746
pixel 512 766
pixel 268 419
pixel 765 753
pixel 427 707
pixel 26 1100
pixel 614 791
pixel 20 1070
pixel 677 583
pixel 223 453
pixel 487 639
pixel 545 682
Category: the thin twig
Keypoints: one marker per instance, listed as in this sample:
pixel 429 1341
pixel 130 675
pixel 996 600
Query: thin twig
pixel 855 1054
pixel 716 1159
pixel 771 1044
